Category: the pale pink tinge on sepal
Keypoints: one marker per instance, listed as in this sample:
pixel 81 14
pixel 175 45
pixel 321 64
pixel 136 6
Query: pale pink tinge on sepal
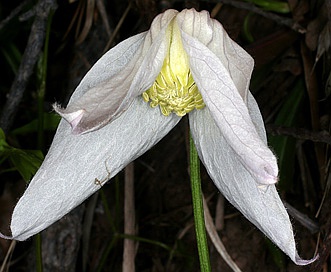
pixel 6 237
pixel 73 118
pixel 299 261
pixel 267 175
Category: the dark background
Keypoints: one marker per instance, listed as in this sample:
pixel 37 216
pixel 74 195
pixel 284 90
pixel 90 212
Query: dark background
pixel 291 83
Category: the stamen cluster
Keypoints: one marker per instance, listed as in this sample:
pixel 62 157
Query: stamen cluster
pixel 170 94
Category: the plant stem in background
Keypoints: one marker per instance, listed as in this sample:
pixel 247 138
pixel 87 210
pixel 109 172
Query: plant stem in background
pixel 39 261
pixel 129 220
pixel 40 132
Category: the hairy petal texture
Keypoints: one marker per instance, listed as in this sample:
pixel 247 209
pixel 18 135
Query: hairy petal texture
pixel 122 74
pixel 262 207
pixel 211 33
pixel 230 111
pixel 76 165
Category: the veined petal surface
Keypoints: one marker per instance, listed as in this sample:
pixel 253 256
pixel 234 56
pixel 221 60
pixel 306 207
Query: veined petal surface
pixel 86 102
pixel 261 205
pixel 76 165
pixel 122 74
pixel 211 33
pixel 230 111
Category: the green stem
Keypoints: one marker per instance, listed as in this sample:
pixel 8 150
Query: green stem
pixel 39 263
pixel 199 220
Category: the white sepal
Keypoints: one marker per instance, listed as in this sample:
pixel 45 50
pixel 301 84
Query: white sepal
pixel 262 207
pixel 229 111
pixel 122 74
pixel 77 165
pixel 211 33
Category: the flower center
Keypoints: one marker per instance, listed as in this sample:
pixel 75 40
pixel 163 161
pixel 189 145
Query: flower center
pixel 174 89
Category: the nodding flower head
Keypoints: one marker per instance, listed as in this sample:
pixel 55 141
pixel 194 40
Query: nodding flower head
pixel 187 65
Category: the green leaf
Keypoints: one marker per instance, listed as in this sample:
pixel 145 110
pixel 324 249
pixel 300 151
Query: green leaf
pixel 4 147
pixel 27 162
pixel 2 135
pixel 272 5
pixel 51 121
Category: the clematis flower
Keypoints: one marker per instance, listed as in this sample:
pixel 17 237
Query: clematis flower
pixel 186 64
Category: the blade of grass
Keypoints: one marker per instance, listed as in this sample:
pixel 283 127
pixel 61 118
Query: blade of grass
pixel 40 132
pixel 284 146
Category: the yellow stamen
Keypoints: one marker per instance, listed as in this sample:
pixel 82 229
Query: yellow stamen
pixel 174 89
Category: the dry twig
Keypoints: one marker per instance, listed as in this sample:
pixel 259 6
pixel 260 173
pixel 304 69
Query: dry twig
pixel 300 133
pixel 14 13
pixel 129 251
pixel 29 59
pixel 269 15
pixel 210 227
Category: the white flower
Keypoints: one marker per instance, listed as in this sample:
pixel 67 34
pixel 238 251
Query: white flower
pixel 187 64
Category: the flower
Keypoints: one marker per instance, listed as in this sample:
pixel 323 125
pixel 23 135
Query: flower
pixel 186 64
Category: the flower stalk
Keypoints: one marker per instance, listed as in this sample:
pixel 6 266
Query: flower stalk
pixel 197 201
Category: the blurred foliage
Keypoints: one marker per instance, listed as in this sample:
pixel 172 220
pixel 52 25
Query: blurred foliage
pixel 285 146
pixel 51 121
pixel 26 162
pixel 272 5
